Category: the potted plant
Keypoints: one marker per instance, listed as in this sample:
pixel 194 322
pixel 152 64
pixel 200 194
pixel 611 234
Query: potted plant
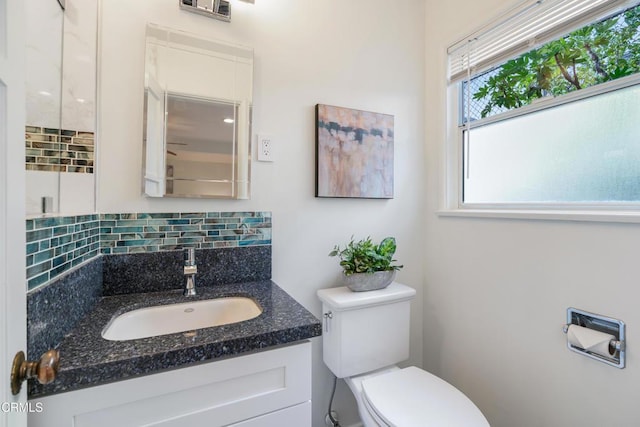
pixel 367 266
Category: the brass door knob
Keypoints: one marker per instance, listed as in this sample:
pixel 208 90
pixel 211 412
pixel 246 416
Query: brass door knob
pixel 44 370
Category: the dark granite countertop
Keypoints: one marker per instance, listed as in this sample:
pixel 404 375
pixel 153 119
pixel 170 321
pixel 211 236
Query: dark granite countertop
pixel 87 359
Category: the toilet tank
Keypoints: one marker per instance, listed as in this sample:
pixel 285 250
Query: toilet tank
pixel 365 331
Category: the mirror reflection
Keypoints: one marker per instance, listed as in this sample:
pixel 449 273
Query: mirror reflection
pixel 197 112
pixel 60 106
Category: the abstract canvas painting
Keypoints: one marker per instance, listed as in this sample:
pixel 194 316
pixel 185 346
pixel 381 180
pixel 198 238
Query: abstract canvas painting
pixel 354 153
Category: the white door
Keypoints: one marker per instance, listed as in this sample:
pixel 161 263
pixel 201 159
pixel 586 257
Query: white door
pixel 12 211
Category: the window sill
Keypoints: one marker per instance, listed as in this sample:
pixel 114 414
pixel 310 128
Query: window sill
pixel 615 216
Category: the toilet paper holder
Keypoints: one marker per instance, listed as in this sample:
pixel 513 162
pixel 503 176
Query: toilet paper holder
pixel 605 325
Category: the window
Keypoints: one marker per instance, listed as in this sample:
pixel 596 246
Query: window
pixel 548 107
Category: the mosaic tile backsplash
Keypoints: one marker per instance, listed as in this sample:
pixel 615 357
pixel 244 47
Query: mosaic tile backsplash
pixel 57 244
pixel 152 232
pixel 59 150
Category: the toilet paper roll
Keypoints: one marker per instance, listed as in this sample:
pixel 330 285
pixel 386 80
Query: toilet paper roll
pixel 588 339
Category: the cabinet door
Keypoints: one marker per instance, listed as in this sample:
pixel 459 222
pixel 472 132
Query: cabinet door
pixel 211 394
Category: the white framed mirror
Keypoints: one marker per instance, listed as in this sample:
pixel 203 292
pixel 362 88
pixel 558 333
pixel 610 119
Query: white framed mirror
pixel 197 116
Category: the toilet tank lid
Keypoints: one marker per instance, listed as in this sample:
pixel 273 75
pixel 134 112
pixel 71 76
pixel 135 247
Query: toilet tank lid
pixel 343 298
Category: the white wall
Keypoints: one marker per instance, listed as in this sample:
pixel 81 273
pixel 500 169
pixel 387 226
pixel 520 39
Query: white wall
pixel 497 291
pixel 364 54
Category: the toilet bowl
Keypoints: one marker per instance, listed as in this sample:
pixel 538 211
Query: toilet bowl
pixel 365 335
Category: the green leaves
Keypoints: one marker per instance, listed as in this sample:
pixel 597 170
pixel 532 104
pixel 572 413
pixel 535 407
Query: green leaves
pixel 593 54
pixel 365 256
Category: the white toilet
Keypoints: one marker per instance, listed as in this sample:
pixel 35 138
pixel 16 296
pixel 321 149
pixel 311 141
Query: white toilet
pixel 365 334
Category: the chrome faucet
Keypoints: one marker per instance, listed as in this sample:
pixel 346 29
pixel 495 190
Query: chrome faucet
pixel 190 270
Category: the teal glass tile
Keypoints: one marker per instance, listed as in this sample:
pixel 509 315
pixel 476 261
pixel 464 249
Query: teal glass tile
pixel 120 250
pixel 213 214
pixel 63 239
pixel 139 242
pixel 37 269
pixel 29 225
pixel 90 255
pixel 213 233
pixel 32 248
pixel 64 220
pixel 197 220
pixel 168 247
pixel 65 248
pixel 163 215
pixel 177 221
pixel 188 240
pixel 237 214
pixel 192 215
pixel 158 222
pixel 130 222
pixel 127 230
pixel 107 217
pixel 213 227
pixel 43 223
pixel 137 249
pixel 29 260
pixel 80 243
pixel 254 242
pixel 59 261
pixel 194 234
pixel 45 244
pixel 128 216
pixel 107 223
pixel 105 251
pixel 252 220
pixel 60 230
pixel 222 244
pixel 153 235
pixel 42 256
pixel 35 235
pixel 131 236
pixel 37 281
pixel 183 228
pixel 81 251
pixel 60 269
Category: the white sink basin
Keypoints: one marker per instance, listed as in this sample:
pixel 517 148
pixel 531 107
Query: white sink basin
pixel 181 317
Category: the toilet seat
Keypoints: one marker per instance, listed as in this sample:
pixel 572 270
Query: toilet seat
pixel 412 397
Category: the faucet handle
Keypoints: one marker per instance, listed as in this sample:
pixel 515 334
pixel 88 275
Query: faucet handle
pixel 190 269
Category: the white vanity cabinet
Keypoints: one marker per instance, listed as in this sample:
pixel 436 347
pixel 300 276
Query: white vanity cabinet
pixel 262 389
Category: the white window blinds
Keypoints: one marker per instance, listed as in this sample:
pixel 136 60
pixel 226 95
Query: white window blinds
pixel 530 24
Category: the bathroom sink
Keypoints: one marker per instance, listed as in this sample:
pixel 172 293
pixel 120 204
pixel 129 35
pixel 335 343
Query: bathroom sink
pixel 180 317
